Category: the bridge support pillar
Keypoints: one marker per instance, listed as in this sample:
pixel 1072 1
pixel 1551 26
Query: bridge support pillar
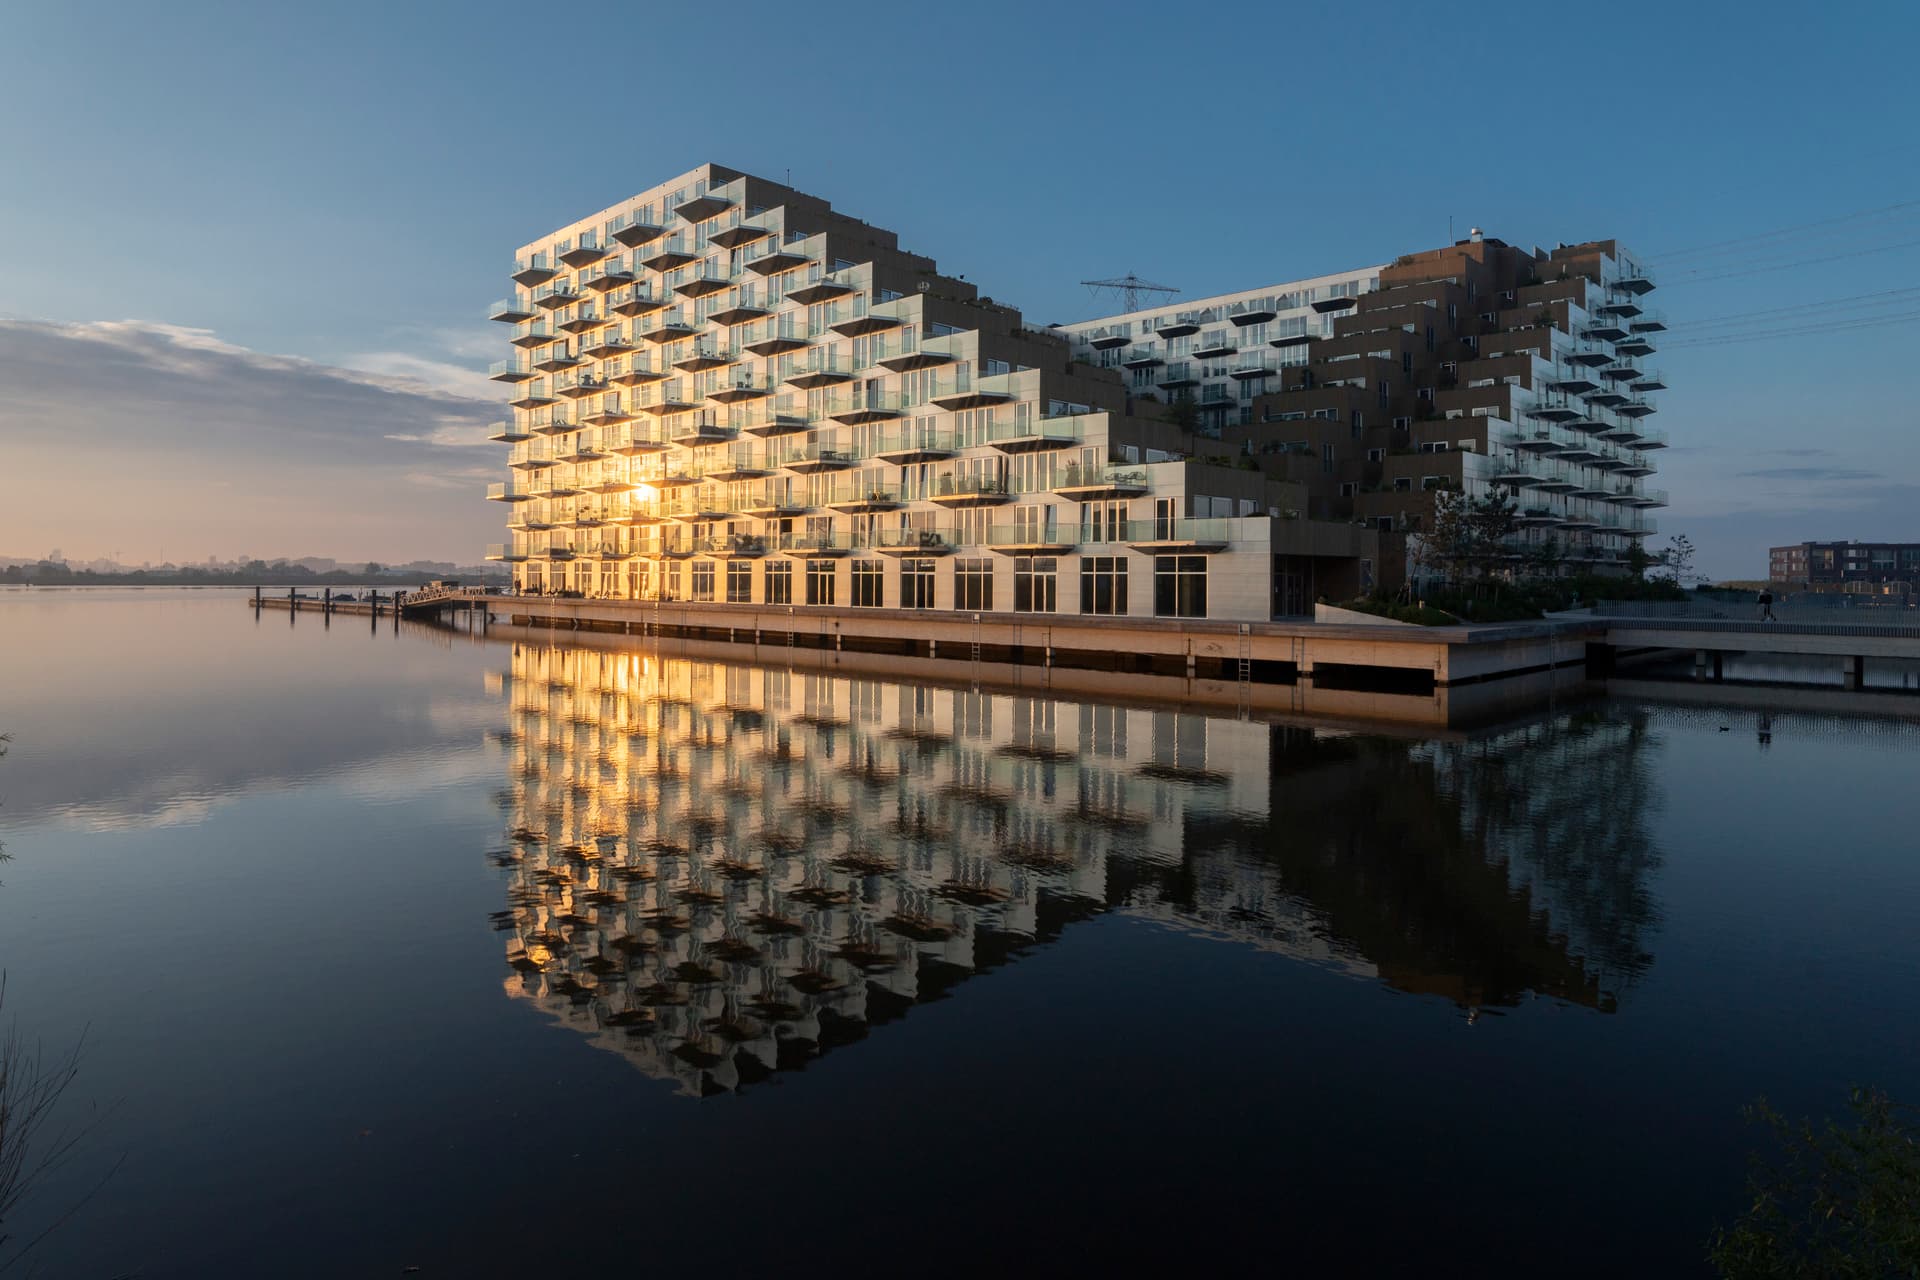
pixel 1700 664
pixel 1856 672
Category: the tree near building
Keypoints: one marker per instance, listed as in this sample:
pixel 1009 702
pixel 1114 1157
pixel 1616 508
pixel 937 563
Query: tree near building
pixel 1468 534
pixel 1677 558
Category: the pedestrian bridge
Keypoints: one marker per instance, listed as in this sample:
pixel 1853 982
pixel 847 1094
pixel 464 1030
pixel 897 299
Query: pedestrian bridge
pixel 1865 636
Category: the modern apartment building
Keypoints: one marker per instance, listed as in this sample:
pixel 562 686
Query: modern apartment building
pixel 1471 367
pixel 724 390
pixel 1869 567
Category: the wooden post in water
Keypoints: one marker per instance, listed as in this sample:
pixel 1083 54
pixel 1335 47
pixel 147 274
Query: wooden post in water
pixel 326 600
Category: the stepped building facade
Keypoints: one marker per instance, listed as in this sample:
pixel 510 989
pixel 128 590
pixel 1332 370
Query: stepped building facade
pixel 723 390
pixel 1475 367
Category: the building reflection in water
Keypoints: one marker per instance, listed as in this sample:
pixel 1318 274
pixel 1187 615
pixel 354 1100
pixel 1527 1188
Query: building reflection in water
pixel 723 871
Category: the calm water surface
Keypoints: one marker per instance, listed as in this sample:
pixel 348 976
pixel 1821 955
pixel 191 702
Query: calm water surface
pixel 411 949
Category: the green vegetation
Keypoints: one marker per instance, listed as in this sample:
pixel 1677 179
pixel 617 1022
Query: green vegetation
pixel 1494 600
pixel 1834 1203
pixel 1419 615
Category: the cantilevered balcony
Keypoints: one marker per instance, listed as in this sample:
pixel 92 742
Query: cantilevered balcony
pixel 702 207
pixel 1253 369
pixel 1620 308
pixel 785 258
pixel 699 506
pixel 773 502
pixel 677 478
pixel 743 309
pixel 537 269
pixel 906 361
pixel 510 371
pixel 955 394
pixel 741 463
pixel 1634 281
pixel 1550 412
pixel 635 370
pixel 580 386
pixel 1512 475
pixel 1538 517
pixel 820 290
pixel 552 484
pixel 767 423
pixel 743 386
pixel 1326 306
pixel 532 456
pixel 1168 536
pixel 607 279
pixel 1031 540
pixel 608 411
pixel 558 552
pixel 813 546
pixel 969 491
pixel 635 439
pixel 586 317
pixel 671 328
pixel 639 300
pixel 511 553
pixel 585 250
pixel 1142 358
pixel 1177 329
pixel 533 397
pixel 552 297
pixel 866 498
pixel 633 230
pixel 1648 323
pixel 859 322
pixel 1177 378
pixel 512 491
pixel 1218 396
pixel 554 359
pixel 912 542
pixel 607 344
pixel 509 432
pixel 1650 382
pixel 611 481
pixel 537 334
pixel 1620 373
pixel 1555 481
pixel 1590 358
pixel 700 356
pixel 1635 408
pixel 1253 313
pixel 1084 484
pixel 1108 339
pixel 1604 329
pixel 775 338
pixel 1634 345
pixel 668 400
pixel 1215 347
pixel 582 446
pixel 736 546
pixel 703 280
pixel 903 444
pixel 806 458
pixel 823 370
pixel 669 254
pixel 1606 397
pixel 1591 491
pixel 1035 434
pixel 735 234
pixel 1292 340
pixel 512 310
pixel 1573 383
pixel 698 431
pixel 865 405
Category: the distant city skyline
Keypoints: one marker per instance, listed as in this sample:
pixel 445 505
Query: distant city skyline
pixel 248 258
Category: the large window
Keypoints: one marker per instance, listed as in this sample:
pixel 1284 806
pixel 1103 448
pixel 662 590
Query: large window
pixel 820 581
pixel 916 584
pixel 703 579
pixel 1103 584
pixel 739 582
pixel 780 582
pixel 1180 586
pixel 973 584
pixel 869 577
pixel 1035 580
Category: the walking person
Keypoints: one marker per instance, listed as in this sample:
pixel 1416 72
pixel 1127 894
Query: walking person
pixel 1766 605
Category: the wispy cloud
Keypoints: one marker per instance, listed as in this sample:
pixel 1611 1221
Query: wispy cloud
pixel 1808 473
pixel 195 445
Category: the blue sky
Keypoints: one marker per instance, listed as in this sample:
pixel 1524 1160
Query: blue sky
pixel 291 218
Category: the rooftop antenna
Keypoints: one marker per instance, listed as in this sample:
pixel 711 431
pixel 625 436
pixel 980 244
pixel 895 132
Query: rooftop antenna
pixel 1129 287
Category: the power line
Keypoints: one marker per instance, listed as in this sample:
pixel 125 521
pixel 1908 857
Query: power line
pixel 1783 266
pixel 1801 331
pixel 1782 231
pixel 1892 297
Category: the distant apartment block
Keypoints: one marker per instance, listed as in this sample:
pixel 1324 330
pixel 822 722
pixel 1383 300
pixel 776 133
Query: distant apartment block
pixel 724 390
pixel 1472 367
pixel 1868 567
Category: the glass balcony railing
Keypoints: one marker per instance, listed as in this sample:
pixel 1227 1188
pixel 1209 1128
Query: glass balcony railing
pixel 1031 535
pixel 866 493
pixel 1112 476
pixel 969 487
pixel 818 543
pixel 510 492
pixel 813 455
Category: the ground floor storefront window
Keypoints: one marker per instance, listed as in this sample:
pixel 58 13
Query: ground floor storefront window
pixel 869 584
pixel 1180 586
pixel 779 582
pixel 739 582
pixel 1035 584
pixel 973 584
pixel 916 584
pixel 1103 584
pixel 820 581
